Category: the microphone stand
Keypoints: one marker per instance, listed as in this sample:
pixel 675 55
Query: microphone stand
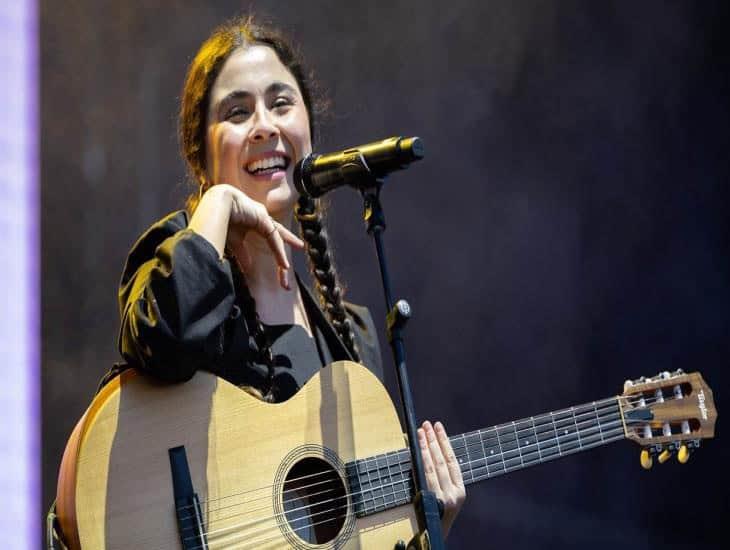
pixel 428 508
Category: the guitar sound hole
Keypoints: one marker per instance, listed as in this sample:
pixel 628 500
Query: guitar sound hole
pixel 315 501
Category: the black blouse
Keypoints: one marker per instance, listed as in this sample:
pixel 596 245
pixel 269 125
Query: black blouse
pixel 180 310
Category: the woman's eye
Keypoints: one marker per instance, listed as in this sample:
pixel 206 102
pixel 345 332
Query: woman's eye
pixel 237 113
pixel 280 102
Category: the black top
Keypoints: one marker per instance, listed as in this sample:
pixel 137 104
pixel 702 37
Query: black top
pixel 180 309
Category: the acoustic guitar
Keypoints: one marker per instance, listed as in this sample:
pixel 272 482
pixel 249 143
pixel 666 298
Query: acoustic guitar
pixel 204 465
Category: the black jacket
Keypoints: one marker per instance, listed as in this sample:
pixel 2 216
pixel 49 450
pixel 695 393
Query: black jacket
pixel 180 311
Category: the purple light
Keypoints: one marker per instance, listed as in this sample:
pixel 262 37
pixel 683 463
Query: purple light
pixel 19 278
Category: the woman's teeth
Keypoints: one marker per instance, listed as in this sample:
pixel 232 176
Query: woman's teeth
pixel 267 164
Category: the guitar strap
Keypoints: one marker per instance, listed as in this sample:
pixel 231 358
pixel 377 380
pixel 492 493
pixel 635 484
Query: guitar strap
pixel 325 333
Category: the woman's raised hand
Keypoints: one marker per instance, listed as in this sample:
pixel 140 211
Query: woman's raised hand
pixel 249 215
pixel 443 473
pixel 225 215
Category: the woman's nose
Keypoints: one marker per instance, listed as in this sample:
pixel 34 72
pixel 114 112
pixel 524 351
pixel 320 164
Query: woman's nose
pixel 263 127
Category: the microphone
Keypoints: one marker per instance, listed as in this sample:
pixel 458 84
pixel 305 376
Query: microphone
pixel 315 175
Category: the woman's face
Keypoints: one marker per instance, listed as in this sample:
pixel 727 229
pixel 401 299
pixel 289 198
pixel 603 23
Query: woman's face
pixel 258 128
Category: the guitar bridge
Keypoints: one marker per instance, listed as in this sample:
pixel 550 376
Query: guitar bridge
pixel 187 506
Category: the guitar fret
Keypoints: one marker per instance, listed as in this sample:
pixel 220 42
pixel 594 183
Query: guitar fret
pixel 473 444
pixel 484 451
pixel 495 452
pixel 468 462
pixel 394 481
pixel 545 433
pixel 492 459
pixel 537 439
pixel 501 451
pixel 595 411
pixel 557 438
pixel 576 426
pixel 517 439
pixel 385 481
pixel 377 490
pixel 369 491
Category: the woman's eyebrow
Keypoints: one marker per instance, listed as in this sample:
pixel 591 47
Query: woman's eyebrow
pixel 230 98
pixel 276 87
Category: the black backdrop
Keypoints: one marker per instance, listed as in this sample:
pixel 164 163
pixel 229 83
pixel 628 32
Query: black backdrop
pixel 567 230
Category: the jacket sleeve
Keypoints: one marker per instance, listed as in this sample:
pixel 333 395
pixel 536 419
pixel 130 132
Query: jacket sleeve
pixel 174 298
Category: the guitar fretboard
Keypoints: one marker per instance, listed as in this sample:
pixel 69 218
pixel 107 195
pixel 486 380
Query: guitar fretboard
pixel 385 481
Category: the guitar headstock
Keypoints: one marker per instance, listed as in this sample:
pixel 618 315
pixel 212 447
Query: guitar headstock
pixel 668 413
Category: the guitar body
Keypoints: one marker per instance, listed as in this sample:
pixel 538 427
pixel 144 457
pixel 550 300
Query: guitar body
pixel 115 485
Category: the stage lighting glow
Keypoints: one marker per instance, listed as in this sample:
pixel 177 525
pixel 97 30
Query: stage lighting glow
pixel 20 525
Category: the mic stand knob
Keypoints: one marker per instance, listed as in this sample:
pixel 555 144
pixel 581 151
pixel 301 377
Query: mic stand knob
pixel 397 318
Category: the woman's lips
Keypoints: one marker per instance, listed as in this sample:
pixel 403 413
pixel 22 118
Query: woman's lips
pixel 266 162
pixel 274 174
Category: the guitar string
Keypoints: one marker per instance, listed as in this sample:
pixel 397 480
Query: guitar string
pixel 594 432
pixel 615 437
pixel 546 446
pixel 618 436
pixel 549 418
pixel 482 463
pixel 505 439
pixel 277 539
pixel 544 453
pixel 407 482
pixel 554 415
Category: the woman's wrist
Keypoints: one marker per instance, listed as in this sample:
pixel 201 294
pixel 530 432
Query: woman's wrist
pixel 211 217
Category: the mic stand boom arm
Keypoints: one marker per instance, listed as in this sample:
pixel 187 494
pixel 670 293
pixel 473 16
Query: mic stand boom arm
pixel 427 506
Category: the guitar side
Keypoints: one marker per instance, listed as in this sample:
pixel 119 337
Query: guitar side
pixel 115 488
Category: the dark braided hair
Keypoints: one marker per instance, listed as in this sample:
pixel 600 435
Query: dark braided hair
pixel 323 269
pixel 242 32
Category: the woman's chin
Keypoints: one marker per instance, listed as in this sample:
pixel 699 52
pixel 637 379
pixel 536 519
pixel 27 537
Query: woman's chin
pixel 280 200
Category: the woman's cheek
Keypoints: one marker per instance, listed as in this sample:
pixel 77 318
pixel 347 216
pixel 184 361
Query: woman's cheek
pixel 231 140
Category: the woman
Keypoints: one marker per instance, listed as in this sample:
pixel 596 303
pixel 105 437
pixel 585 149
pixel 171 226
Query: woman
pixel 212 287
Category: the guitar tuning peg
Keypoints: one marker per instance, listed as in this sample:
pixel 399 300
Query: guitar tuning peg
pixel 646 459
pixel 683 454
pixel 665 455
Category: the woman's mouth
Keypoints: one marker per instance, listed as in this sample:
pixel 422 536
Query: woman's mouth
pixel 268 165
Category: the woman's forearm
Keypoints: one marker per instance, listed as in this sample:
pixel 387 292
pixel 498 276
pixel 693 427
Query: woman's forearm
pixel 212 216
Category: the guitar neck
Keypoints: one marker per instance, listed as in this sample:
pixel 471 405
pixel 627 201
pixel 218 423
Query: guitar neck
pixel 490 452
pixel 386 481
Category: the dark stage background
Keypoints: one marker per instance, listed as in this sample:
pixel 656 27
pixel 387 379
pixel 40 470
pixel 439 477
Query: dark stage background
pixel 568 229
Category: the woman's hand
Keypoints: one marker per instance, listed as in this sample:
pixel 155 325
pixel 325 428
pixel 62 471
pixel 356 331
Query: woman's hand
pixel 443 473
pixel 249 215
pixel 225 214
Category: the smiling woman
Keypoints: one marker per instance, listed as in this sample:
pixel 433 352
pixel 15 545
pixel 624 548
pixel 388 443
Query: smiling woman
pixel 210 287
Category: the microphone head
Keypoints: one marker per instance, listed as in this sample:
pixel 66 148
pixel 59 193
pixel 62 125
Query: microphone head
pixel 302 174
pixel 413 147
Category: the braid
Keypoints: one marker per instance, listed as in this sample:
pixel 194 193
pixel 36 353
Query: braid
pixel 256 329
pixel 323 270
